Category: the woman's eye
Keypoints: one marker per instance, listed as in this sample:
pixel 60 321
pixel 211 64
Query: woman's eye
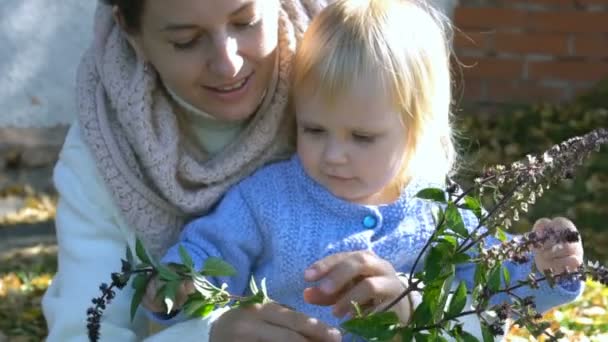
pixel 313 130
pixel 247 24
pixel 185 45
pixel 364 138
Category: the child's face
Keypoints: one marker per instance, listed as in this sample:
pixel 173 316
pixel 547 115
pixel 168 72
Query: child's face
pixel 354 148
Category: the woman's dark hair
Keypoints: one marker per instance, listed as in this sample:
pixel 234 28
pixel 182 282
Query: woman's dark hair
pixel 131 11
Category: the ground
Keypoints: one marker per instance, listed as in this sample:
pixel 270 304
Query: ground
pixel 28 261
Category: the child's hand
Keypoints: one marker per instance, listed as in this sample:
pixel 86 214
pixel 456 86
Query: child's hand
pixel 360 277
pixel 153 303
pixel 558 257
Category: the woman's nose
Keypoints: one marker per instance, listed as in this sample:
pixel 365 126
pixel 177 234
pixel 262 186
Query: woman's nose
pixel 225 61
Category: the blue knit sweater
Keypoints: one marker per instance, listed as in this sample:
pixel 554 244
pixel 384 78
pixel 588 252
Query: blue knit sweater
pixel 279 221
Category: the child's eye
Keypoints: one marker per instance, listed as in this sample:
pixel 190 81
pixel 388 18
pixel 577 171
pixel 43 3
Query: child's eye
pixel 364 138
pixel 185 45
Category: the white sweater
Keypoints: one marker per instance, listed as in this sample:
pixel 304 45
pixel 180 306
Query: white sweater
pixel 92 238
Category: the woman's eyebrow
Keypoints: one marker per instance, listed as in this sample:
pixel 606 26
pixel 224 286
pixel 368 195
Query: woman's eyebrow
pixel 181 27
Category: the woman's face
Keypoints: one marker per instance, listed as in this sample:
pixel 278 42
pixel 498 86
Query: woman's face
pixel 218 55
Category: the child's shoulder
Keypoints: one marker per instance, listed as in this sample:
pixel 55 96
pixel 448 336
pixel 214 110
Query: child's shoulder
pixel 269 176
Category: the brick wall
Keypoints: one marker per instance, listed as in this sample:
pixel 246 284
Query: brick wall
pixel 530 50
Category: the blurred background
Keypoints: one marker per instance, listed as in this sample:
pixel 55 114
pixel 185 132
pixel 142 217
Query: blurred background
pixel 528 74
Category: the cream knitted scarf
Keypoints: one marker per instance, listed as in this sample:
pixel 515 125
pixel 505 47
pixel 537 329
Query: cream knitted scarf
pixel 129 124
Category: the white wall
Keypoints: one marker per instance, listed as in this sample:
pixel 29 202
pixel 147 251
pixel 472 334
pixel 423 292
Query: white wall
pixel 41 42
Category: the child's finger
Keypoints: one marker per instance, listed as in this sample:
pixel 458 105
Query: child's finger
pixel 366 291
pixel 569 263
pixel 350 266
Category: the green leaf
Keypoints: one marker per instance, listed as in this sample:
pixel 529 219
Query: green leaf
pixel 140 282
pixel 459 299
pixel 480 274
pixel 466 337
pixel 129 256
pixel 407 335
pixel 422 337
pixel 454 221
pixel 500 234
pixel 433 264
pixel 264 290
pixel 167 274
pixel 422 315
pixel 507 276
pixel 193 305
pixel 439 310
pixel 141 252
pixel 473 204
pixel 204 311
pixel 202 286
pixel 433 194
pixel 216 267
pixel 253 287
pixel 136 300
pixel 494 279
pixel 486 332
pixel 185 257
pixel 449 239
pixel 461 258
pixel 379 326
pixel 169 294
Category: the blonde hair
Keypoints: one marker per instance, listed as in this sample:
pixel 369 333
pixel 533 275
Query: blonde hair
pixel 404 45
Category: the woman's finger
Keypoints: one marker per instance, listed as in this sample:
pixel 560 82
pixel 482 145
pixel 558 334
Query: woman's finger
pixel 308 327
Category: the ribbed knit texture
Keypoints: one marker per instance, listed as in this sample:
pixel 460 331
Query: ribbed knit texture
pixel 128 122
pixel 278 222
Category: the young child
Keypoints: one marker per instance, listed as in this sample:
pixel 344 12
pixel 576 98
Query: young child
pixel 337 221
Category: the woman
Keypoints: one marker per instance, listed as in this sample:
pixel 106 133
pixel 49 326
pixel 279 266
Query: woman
pixel 178 100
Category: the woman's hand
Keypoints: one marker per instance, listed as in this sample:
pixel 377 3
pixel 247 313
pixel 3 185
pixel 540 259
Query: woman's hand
pixel 270 323
pixel 558 257
pixel 360 277
pixel 153 303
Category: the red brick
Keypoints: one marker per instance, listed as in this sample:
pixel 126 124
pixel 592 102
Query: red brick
pixel 489 67
pixel 525 43
pixel 473 40
pixel 488 17
pixel 520 91
pixel 547 3
pixel 470 89
pixel 568 70
pixel 591 45
pixel 568 21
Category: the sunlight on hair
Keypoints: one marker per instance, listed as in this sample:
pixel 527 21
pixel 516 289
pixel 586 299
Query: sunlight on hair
pixel 404 47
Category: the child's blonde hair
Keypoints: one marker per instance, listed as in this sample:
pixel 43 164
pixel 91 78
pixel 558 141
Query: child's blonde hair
pixel 404 46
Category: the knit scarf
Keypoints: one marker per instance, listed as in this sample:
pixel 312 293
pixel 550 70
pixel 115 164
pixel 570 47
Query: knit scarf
pixel 157 180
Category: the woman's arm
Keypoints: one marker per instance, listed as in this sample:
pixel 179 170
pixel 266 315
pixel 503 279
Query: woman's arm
pixel 92 238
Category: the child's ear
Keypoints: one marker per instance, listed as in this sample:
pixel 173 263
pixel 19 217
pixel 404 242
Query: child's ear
pixel 133 38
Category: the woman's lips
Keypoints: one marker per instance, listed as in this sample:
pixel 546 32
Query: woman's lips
pixel 231 92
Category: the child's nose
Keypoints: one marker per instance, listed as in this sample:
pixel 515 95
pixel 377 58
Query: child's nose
pixel 335 152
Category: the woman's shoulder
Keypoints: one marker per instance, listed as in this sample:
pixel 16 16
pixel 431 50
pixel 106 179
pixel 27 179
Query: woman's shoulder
pixel 76 170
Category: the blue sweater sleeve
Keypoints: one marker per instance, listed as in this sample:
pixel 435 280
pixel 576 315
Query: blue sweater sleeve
pixel 230 233
pixel 545 296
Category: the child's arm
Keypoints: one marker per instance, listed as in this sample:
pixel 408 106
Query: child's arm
pixel 230 233
pixel 549 256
